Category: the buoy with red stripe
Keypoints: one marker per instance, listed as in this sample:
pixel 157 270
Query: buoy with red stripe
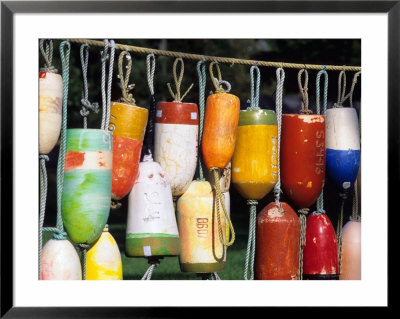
pixel 103 259
pixel 320 255
pixel 50 102
pixel 60 261
pixel 343 140
pixel 201 230
pixel 277 244
pixel 128 123
pixel 303 155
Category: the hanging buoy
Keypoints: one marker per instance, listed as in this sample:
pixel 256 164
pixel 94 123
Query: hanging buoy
pixel 202 250
pixel 50 103
pixel 254 162
pixel 176 136
pixel 103 260
pixel 87 184
pixel 320 256
pixel 277 243
pixel 342 146
pixel 351 251
pixel 128 123
pixel 60 261
pixel 151 227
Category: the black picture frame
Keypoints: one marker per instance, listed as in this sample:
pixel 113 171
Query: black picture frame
pixel 9 8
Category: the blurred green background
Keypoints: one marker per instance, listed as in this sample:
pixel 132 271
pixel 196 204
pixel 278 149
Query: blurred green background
pixel 308 51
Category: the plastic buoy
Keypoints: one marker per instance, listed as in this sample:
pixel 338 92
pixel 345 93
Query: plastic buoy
pixel 103 259
pixel 320 256
pixel 342 146
pixel 60 261
pixel 254 162
pixel 302 157
pixel 50 104
pixel 202 250
pixel 151 228
pixel 277 243
pixel 176 140
pixel 87 184
pixel 351 251
pixel 128 123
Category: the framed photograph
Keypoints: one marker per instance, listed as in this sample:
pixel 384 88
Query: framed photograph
pixel 371 26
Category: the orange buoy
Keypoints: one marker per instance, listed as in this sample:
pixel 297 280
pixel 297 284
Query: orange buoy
pixel 254 162
pixel 302 157
pixel 320 256
pixel 128 123
pixel 277 243
pixel 351 251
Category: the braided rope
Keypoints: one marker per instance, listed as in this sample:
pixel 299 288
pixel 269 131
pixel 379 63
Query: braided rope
pixel 339 234
pixel 178 81
pixel 149 134
pixel 303 225
pixel 227 60
pixel 280 79
pixel 149 272
pixel 47 55
pixel 220 201
pixel 104 56
pixel 201 72
pixel 109 84
pixel 43 194
pixel 125 87
pixel 151 67
pixel 217 82
pixel 303 91
pixel 251 243
pixel 86 105
pixel 254 89
pixel 84 248
pixel 355 216
pixel 341 89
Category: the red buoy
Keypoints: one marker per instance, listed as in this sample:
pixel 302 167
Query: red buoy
pixel 277 243
pixel 320 258
pixel 302 157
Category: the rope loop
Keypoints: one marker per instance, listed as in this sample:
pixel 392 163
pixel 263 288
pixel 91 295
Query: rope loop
pixel 178 81
pixel 201 73
pixel 151 67
pixel 303 91
pixel 251 242
pixel 254 89
pixel 106 95
pixel 325 101
pixel 44 157
pixel 47 55
pixel 341 89
pixel 125 87
pixel 217 82
pixel 303 219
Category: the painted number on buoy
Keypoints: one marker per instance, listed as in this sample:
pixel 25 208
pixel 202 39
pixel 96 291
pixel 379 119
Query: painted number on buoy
pixel 320 149
pixel 202 227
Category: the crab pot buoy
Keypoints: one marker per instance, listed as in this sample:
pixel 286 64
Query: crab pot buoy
pixel 151 228
pixel 176 140
pixel 220 128
pixel 254 162
pixel 202 251
pixel 342 146
pixel 351 251
pixel 103 259
pixel 87 184
pixel 277 243
pixel 60 261
pixel 320 255
pixel 128 123
pixel 224 176
pixel 50 104
pixel 302 157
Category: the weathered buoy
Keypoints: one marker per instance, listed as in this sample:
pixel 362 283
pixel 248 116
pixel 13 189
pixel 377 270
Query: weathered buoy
pixel 342 146
pixel 320 256
pixel 50 103
pixel 87 184
pixel 128 123
pixel 302 157
pixel 151 227
pixel 202 250
pixel 277 243
pixel 176 140
pixel 103 259
pixel 225 176
pixel 254 162
pixel 60 261
pixel 351 251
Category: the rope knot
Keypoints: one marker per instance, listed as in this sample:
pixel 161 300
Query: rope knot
pixel 90 106
pixel 60 235
pixel 304 211
pixel 125 87
pixel 320 211
pixel 44 157
pixel 84 246
pixel 252 202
